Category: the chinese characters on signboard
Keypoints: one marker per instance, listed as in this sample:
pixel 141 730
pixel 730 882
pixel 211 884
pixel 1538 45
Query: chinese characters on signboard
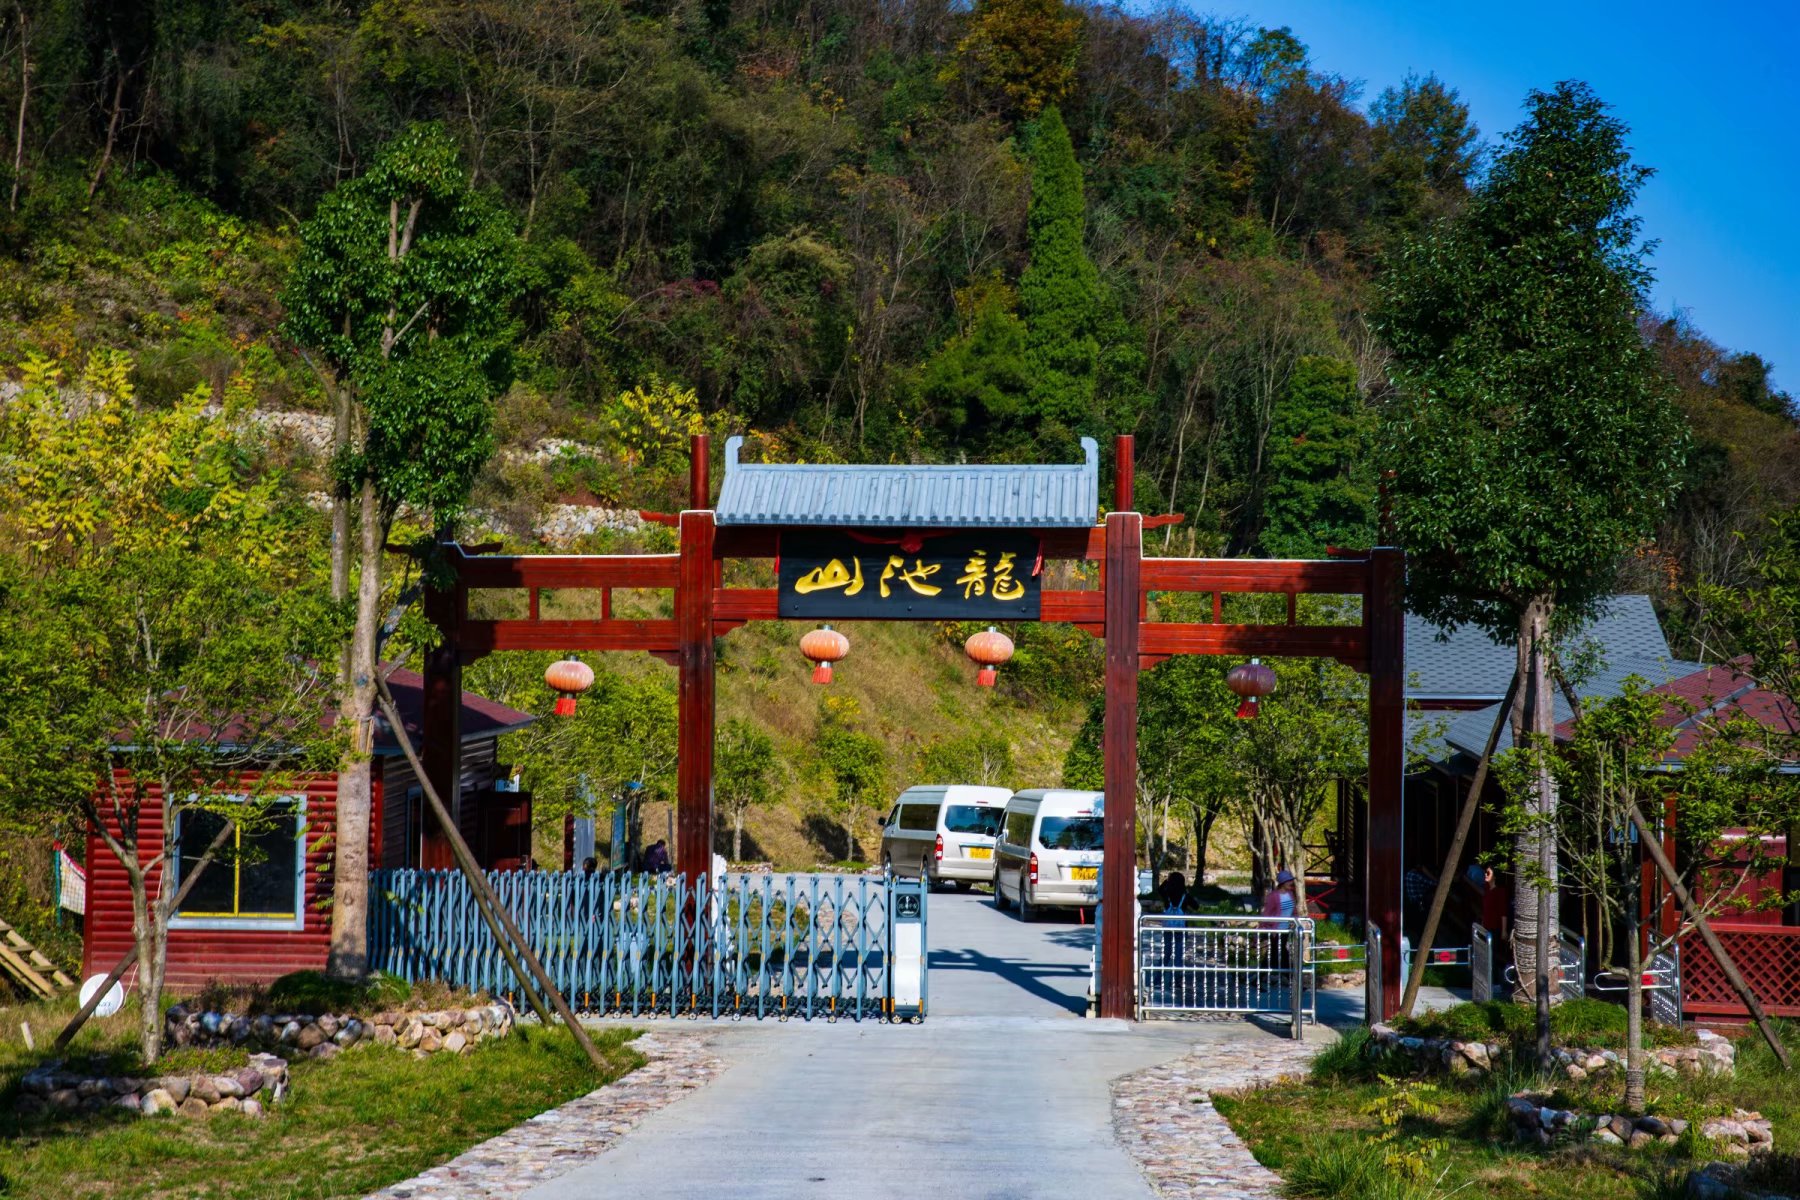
pixel 953 576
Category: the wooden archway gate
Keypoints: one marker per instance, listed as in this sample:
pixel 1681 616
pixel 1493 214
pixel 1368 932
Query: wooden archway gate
pixel 706 609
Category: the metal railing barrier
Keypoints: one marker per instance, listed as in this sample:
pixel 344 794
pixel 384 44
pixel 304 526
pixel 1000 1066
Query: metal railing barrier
pixel 1372 997
pixel 644 945
pixel 1665 1002
pixel 1573 947
pixel 1216 964
pixel 1481 964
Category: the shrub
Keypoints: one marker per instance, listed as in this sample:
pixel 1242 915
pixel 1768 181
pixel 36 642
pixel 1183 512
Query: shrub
pixel 1584 1022
pixel 1346 1059
pixel 314 992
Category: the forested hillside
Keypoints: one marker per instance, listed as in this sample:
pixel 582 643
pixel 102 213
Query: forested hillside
pixel 854 232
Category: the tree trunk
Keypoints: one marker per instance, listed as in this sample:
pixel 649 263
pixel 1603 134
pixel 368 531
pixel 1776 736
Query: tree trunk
pixel 737 836
pixel 12 201
pixel 112 125
pixel 149 983
pixel 1203 823
pixel 349 956
pixel 1535 915
pixel 1634 1016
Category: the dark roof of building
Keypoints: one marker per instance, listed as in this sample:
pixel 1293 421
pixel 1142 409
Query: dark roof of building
pixel 909 496
pixel 481 717
pixel 1464 665
pixel 1467 732
pixel 1714 693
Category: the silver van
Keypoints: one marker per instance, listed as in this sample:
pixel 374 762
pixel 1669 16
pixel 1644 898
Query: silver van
pixel 944 833
pixel 1048 854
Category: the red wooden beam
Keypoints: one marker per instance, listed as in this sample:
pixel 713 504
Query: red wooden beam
pixel 1346 642
pixel 485 637
pixel 569 571
pixel 1118 927
pixel 1330 576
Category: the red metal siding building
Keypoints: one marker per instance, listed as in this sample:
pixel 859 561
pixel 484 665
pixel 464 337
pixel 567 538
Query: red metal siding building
pixel 245 933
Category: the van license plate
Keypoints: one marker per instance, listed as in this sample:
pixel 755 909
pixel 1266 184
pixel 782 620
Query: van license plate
pixel 980 851
pixel 1084 872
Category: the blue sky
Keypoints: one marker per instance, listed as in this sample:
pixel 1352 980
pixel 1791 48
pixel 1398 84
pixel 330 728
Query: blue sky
pixel 1712 96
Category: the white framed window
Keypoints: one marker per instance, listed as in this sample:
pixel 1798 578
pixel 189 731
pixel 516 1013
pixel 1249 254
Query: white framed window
pixel 257 881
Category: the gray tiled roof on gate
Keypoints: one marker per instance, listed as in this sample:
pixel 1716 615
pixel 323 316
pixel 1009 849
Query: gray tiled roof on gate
pixel 986 496
pixel 1466 664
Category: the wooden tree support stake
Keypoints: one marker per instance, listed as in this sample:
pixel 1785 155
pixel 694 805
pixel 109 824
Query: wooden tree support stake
pixel 1648 837
pixel 512 943
pixel 1464 821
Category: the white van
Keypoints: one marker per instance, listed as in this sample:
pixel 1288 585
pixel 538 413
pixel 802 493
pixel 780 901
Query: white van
pixel 1048 852
pixel 944 833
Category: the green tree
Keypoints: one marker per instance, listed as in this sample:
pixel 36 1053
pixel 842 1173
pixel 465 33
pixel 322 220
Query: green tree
pixel 623 731
pixel 1622 759
pixel 1059 292
pixel 1426 149
pixel 978 382
pixel 1187 745
pixel 1533 441
pixel 161 622
pixel 855 760
pixel 403 288
pixel 1023 52
pixel 745 777
pixel 1321 489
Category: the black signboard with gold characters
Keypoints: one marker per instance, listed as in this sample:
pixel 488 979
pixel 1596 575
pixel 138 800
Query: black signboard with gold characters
pixel 949 576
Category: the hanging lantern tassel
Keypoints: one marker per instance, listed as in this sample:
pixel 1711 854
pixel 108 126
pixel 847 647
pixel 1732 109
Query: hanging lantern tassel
pixel 568 678
pixel 989 648
pixel 822 647
pixel 1252 681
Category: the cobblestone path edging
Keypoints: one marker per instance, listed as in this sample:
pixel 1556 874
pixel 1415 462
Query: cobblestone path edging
pixel 556 1142
pixel 1165 1119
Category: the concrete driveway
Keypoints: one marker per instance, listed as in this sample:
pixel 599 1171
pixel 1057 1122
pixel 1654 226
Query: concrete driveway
pixel 1001 1092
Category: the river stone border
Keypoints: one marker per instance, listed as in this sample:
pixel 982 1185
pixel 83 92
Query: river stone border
pixel 450 1030
pixel 554 1143
pixel 1740 1135
pixel 1165 1119
pixel 247 1091
pixel 1713 1055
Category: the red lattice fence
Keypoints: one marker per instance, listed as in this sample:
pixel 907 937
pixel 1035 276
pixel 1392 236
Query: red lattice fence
pixel 1768 956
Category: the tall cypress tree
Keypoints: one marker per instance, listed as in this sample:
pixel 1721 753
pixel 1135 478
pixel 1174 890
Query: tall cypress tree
pixel 1059 292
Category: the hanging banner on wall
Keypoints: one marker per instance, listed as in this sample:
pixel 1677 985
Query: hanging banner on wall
pixel 832 575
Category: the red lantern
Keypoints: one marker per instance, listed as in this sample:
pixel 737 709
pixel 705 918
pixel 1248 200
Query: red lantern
pixel 568 678
pixel 1252 681
pixel 990 648
pixel 822 647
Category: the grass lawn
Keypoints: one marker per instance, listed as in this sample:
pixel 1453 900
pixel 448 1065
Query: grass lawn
pixel 1327 1138
pixel 368 1118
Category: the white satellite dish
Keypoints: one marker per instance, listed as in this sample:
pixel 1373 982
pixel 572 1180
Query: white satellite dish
pixel 110 1003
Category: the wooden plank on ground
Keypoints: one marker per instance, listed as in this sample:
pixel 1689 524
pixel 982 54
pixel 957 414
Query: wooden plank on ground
pixel 36 957
pixel 19 969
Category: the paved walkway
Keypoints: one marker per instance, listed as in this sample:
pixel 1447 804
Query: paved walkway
pixel 1007 1090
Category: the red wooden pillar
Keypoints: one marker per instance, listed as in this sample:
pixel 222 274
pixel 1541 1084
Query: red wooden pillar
pixel 440 724
pixel 1118 929
pixel 442 734
pixel 1385 624
pixel 694 628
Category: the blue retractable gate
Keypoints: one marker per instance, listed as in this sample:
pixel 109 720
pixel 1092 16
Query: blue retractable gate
pixel 643 945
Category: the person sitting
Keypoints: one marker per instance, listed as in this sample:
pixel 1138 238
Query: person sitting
pixel 656 858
